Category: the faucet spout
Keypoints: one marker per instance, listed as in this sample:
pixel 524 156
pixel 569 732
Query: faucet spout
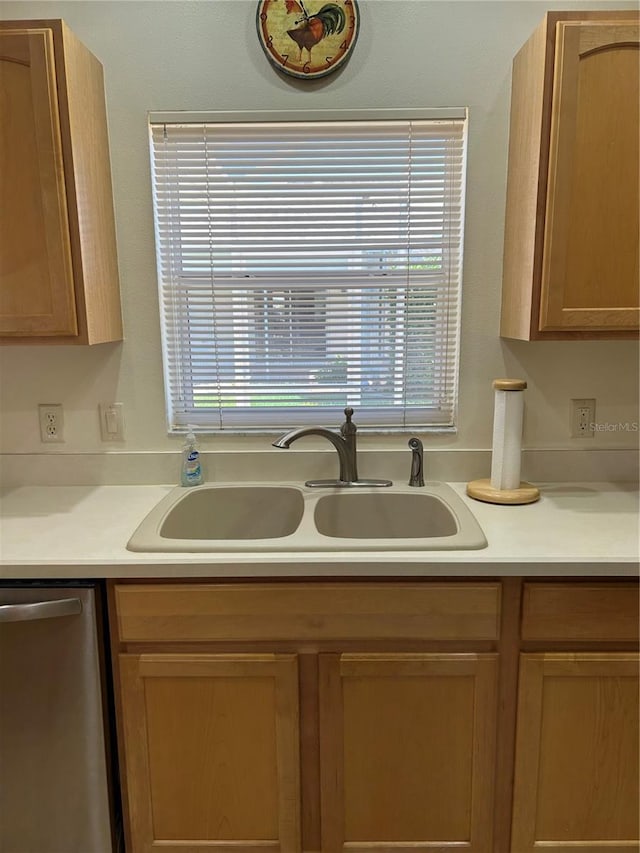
pixel 346 474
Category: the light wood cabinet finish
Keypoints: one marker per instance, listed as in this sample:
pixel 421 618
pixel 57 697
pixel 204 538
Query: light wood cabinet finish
pixel 407 744
pixel 571 231
pixel 422 648
pixel 401 708
pixel 58 262
pixel 36 275
pixel 598 612
pixel 288 611
pixel 211 745
pixel 576 774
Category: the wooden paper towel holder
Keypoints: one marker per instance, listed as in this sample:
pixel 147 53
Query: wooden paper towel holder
pixel 482 490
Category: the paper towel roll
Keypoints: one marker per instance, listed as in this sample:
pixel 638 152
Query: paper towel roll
pixel 507 433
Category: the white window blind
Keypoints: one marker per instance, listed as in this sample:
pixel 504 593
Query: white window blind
pixel 309 265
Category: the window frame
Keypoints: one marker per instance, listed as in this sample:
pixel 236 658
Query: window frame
pixel 302 116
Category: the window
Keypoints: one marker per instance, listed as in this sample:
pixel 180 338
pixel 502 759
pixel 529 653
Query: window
pixel 309 265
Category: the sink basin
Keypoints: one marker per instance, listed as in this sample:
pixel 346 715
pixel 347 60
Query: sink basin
pixel 260 517
pixel 192 518
pixel 383 515
pixel 411 519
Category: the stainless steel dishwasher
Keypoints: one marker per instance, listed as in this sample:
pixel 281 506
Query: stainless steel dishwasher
pixel 58 784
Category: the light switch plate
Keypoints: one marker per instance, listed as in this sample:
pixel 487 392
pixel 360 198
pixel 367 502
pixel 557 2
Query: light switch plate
pixel 111 421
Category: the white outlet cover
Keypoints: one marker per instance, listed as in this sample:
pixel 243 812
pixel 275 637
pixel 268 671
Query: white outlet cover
pixel 579 406
pixel 51 420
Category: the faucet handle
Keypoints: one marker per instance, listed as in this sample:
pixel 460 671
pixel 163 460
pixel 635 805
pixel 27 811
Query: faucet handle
pixel 348 427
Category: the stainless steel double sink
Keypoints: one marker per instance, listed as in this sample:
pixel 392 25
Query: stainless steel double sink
pixel 256 517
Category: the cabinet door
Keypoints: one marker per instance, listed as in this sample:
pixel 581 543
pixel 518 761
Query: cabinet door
pixel 407 751
pixel 36 278
pixel 576 776
pixel 590 261
pixel 211 750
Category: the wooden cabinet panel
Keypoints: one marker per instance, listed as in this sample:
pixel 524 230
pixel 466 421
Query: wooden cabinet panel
pixel 212 752
pixel 580 612
pixel 295 611
pixel 407 744
pixel 37 292
pixel 590 267
pixel 576 774
pixel 58 262
pixel 571 227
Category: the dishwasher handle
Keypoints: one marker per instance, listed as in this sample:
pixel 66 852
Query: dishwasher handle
pixel 40 610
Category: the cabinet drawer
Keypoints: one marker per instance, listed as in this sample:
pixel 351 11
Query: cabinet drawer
pixel 297 611
pixel 599 612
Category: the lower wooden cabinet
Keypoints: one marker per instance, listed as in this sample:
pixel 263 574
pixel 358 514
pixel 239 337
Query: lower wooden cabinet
pixel 293 717
pixel 212 751
pixel 375 717
pixel 576 773
pixel 407 747
pixel 211 744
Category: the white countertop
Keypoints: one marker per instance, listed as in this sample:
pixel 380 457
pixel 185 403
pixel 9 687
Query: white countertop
pixel 578 529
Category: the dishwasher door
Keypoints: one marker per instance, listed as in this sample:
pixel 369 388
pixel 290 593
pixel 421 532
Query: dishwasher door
pixel 54 787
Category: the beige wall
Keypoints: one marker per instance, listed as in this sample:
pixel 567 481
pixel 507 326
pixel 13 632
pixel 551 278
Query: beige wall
pixel 163 55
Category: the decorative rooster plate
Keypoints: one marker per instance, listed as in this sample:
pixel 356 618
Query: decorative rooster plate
pixel 308 38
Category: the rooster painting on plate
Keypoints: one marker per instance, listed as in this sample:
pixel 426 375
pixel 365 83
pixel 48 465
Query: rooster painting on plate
pixel 311 29
pixel 307 38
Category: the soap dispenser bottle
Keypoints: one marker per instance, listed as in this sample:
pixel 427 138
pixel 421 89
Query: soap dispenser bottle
pixel 191 474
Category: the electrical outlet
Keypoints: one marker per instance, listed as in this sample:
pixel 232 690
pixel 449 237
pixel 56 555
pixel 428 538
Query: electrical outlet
pixel 583 415
pixel 51 422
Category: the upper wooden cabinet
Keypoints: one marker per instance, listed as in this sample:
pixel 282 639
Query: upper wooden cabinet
pixel 571 232
pixel 58 262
